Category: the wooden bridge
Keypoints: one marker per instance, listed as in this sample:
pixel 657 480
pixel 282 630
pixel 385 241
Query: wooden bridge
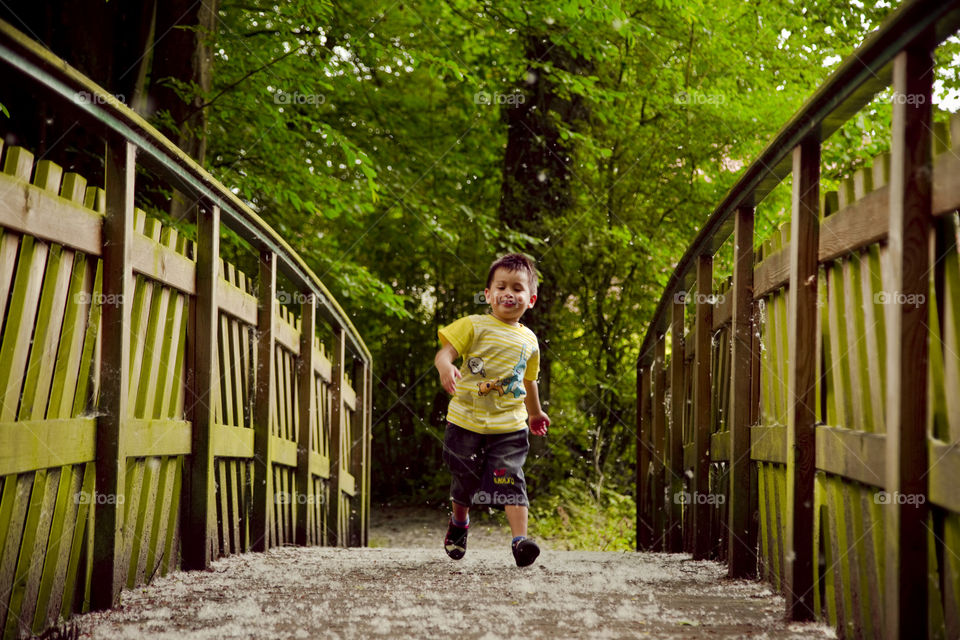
pixel 161 408
pixel 806 422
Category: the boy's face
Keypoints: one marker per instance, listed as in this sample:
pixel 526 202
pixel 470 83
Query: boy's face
pixel 509 294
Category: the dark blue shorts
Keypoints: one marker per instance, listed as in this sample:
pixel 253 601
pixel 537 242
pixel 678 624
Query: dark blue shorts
pixel 486 469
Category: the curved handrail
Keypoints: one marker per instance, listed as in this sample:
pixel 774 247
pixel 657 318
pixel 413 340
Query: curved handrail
pixel 853 85
pixel 109 114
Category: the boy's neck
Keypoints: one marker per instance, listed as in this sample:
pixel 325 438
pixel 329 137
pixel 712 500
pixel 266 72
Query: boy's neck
pixel 506 321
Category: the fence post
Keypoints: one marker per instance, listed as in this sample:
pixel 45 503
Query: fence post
pixel 358 452
pixel 263 495
pixel 742 541
pixel 701 408
pixel 198 530
pixel 336 435
pixel 905 524
pixel 111 462
pixel 659 441
pixel 802 379
pixel 675 437
pixel 644 443
pixel 306 396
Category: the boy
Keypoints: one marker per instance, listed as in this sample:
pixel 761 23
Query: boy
pixel 494 392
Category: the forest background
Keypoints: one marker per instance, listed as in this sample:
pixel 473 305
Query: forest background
pixel 400 146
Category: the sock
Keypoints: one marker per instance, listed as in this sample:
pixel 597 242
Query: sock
pixel 517 539
pixel 457 523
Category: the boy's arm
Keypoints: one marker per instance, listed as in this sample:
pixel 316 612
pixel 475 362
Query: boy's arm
pixel 449 374
pixel 538 419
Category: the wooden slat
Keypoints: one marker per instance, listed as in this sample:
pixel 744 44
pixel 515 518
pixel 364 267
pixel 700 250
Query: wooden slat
pixel 232 442
pixel 944 477
pixel 723 310
pixel 264 403
pixel 905 525
pixel 348 484
pixel 772 273
pixel 284 451
pixel 857 225
pixel 163 264
pixel 337 420
pixel 768 443
pixel 946 187
pixel 659 440
pixel 306 408
pixel 644 524
pixel 33 211
pixel 675 472
pixel 349 396
pixel 29 445
pixel 855 455
pixel 288 336
pixel 319 465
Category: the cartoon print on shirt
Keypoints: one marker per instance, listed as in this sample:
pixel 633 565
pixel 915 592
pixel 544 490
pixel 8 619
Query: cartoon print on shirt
pixel 475 365
pixel 511 384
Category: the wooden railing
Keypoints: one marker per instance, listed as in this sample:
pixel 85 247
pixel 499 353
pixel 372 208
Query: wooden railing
pixel 807 421
pixel 160 408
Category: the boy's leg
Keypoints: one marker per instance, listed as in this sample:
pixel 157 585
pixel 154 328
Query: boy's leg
pixel 462 454
pixel 504 465
pixel 461 513
pixel 517 517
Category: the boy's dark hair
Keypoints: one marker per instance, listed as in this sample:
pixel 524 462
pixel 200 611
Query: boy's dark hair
pixel 515 262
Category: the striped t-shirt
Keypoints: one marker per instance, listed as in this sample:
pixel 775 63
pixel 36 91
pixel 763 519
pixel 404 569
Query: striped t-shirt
pixel 497 358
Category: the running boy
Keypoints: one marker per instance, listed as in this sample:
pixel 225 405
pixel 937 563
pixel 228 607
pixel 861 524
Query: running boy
pixel 494 392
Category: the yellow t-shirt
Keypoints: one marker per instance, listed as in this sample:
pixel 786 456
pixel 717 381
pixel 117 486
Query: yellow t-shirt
pixel 497 358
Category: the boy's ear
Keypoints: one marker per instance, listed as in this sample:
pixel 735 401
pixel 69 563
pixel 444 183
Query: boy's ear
pixel 533 299
pixel 486 295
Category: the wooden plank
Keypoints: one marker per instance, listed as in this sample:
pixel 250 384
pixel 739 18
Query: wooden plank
pixel 905 525
pixel 723 311
pixel 34 211
pixel 720 446
pixel 944 476
pixel 772 273
pixel 287 336
pixel 55 559
pixel 284 451
pixel 945 187
pixel 358 458
pixel 33 533
pixel 855 455
pixel 158 437
pixel 337 420
pixel 39 444
pixel 349 396
pixel 307 412
pixel 264 403
pixel 161 518
pixel 675 470
pixel 67 368
pixel 702 395
pixel 13 513
pixel 163 264
pixel 741 555
pixel 232 442
pixel 768 443
pixel 319 465
pixel 239 304
pixel 199 526
pixel 114 372
pixel 802 379
pixel 859 224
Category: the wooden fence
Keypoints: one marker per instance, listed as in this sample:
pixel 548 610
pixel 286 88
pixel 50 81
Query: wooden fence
pixel 806 424
pixel 160 408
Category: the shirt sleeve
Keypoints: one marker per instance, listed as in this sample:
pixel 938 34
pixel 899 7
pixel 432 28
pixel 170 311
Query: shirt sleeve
pixel 533 366
pixel 458 334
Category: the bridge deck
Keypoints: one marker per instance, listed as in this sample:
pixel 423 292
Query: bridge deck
pixel 418 592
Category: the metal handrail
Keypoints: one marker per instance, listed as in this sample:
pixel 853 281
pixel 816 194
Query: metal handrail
pixel 112 117
pixel 853 85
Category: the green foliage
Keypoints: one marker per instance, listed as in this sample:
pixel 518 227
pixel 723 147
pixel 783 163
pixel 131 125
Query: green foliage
pixel 570 518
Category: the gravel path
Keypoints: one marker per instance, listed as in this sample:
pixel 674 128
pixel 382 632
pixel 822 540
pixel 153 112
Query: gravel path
pixel 403 591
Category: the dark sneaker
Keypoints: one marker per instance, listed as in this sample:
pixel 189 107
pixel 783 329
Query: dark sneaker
pixel 455 544
pixel 525 551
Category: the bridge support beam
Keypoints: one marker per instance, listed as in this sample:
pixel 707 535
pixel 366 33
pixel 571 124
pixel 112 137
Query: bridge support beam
pixel 644 458
pixel 337 428
pixel 659 442
pixel 911 223
pixel 678 401
pixel 263 494
pixel 702 395
pixel 306 398
pixel 198 533
pixel 742 523
pixel 802 379
pixel 108 543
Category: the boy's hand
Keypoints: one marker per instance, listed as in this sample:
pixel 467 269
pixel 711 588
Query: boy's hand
pixel 449 374
pixel 539 424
